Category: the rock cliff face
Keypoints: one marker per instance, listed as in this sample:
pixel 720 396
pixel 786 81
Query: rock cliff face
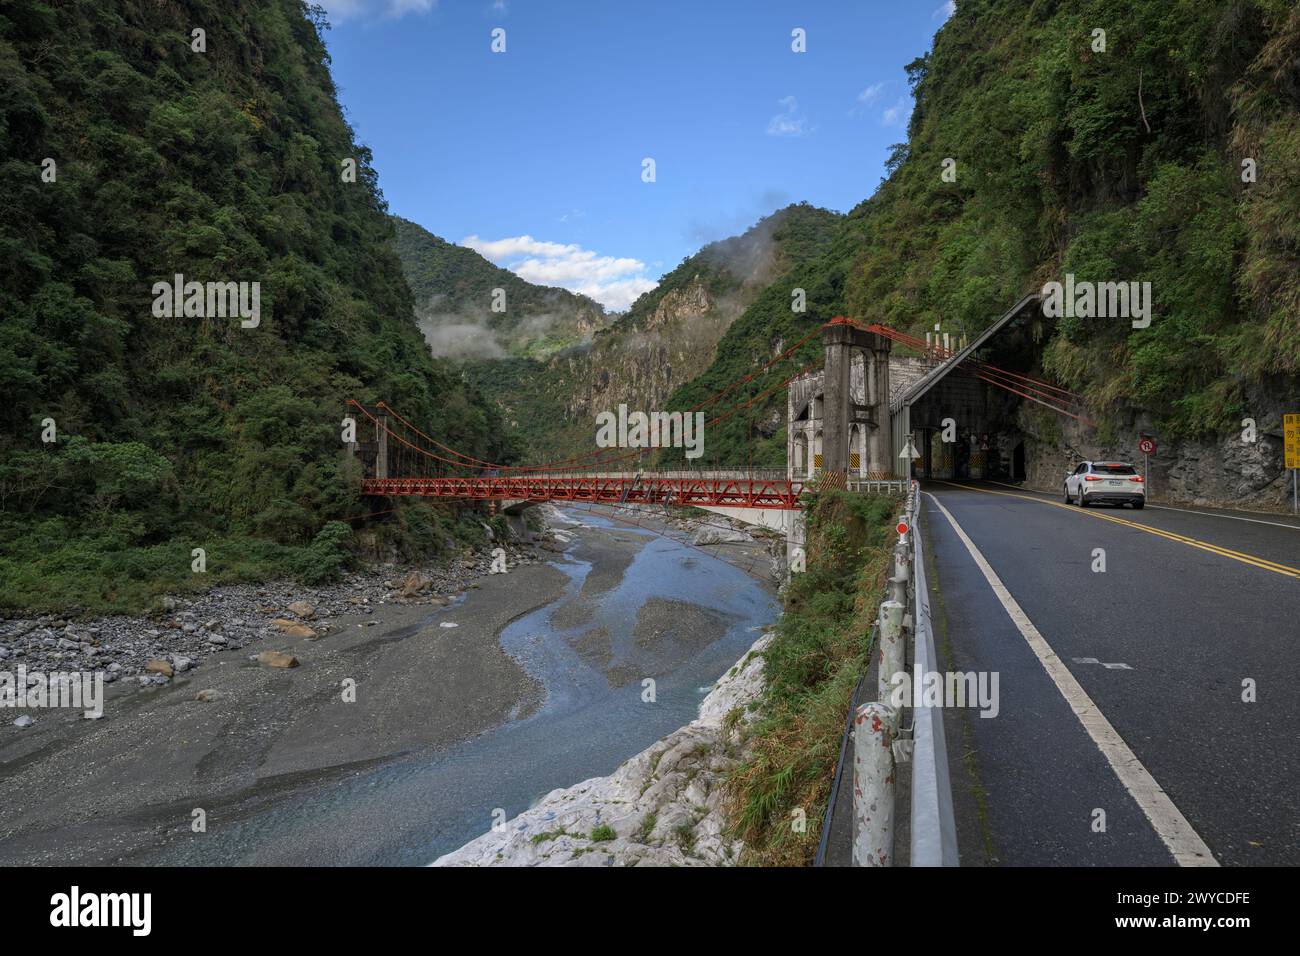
pixel 662 807
pixel 641 366
pixel 1229 472
pixel 670 334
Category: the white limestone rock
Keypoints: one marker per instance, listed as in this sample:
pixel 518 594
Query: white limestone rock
pixel 664 805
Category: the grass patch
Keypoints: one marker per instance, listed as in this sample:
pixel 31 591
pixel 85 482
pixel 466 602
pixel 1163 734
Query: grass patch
pixel 539 838
pixel 684 834
pixel 603 833
pixel 647 827
pixel 819 648
pixel 115 564
pixel 732 720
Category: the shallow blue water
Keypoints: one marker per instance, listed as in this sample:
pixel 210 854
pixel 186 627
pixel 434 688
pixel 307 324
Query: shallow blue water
pixel 411 812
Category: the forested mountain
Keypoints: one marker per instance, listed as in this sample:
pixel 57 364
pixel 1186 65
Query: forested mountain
pixel 454 287
pixel 665 339
pixel 134 150
pixel 1170 156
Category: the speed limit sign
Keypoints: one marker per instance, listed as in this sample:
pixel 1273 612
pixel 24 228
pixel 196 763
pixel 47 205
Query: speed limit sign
pixel 1147 446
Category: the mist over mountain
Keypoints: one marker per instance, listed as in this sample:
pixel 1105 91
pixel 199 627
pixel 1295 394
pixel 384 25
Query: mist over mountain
pixel 454 303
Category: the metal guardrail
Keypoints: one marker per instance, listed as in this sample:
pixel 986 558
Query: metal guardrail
pixel 934 830
pixel 879 739
pixel 879 486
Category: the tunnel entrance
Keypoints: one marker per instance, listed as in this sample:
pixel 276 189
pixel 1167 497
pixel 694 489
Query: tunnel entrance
pixel 964 419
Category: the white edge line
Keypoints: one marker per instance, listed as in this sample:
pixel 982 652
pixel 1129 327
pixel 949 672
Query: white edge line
pixel 1171 826
pixel 1186 511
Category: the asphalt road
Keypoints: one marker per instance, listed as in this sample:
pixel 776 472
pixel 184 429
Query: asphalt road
pixel 1191 605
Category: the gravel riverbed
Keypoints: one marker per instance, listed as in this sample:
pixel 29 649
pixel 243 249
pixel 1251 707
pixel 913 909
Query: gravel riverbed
pixel 152 648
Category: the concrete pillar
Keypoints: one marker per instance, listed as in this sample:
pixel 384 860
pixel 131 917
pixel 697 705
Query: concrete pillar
pixel 837 340
pixel 791 441
pixel 880 442
pixel 381 446
pixel 796 535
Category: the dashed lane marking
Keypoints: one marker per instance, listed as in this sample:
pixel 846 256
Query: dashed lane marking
pixel 1093 660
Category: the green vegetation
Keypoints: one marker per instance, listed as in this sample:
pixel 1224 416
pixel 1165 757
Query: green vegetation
pixel 539 838
pixel 647 827
pixel 1117 166
pixel 453 289
pixel 177 433
pixel 684 835
pixel 603 833
pixel 820 646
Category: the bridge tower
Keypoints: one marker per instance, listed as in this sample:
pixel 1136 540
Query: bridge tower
pixel 841 340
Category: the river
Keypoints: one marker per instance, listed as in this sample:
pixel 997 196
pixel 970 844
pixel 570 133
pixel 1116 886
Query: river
pixel 634 605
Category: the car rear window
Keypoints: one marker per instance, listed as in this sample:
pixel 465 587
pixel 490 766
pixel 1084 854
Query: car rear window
pixel 1115 469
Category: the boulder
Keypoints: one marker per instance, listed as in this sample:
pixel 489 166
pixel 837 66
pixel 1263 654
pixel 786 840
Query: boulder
pixel 715 534
pixel 293 628
pixel 159 666
pixel 277 659
pixel 413 584
pixel 303 609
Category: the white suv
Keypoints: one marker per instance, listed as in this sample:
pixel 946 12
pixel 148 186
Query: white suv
pixel 1114 482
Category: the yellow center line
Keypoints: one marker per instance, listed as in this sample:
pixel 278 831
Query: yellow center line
pixel 1250 559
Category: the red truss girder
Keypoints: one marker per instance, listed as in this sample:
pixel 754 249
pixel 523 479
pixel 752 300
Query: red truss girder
pixel 719 492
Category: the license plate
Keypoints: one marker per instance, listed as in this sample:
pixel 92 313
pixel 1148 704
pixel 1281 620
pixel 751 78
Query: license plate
pixel 1115 484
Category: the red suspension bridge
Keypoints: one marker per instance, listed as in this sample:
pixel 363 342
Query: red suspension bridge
pixel 404 461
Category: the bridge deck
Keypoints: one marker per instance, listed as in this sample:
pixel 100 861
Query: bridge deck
pixel 604 489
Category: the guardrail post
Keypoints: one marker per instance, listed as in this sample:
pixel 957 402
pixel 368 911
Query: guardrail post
pixel 891 647
pixel 898 589
pixel 902 562
pixel 875 725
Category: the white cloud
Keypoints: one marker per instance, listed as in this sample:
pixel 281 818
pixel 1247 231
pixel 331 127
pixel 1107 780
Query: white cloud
pixel 788 122
pixel 870 94
pixel 613 281
pixel 340 10
pixel 898 114
pixel 945 11
pixel 866 98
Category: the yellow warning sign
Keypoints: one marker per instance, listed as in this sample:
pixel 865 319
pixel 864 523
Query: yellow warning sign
pixel 1291 438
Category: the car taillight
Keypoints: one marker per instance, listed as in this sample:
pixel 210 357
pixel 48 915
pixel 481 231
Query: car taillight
pixel 1135 478
pixel 1093 478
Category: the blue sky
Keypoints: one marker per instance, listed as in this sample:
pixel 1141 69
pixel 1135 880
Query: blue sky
pixel 534 156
